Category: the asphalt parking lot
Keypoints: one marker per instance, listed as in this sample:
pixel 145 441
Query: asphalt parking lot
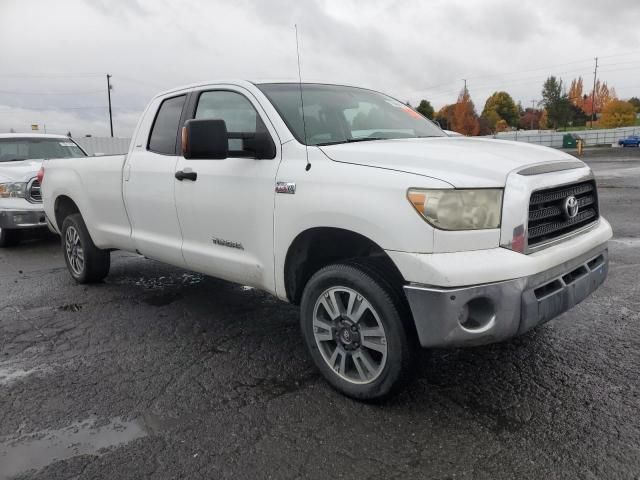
pixel 162 373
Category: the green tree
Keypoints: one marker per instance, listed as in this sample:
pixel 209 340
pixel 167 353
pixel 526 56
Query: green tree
pixel 490 118
pixel 504 106
pixel 556 103
pixel 635 101
pixel 425 109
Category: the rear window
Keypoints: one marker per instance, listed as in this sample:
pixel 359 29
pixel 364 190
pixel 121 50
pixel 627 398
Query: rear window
pixel 27 148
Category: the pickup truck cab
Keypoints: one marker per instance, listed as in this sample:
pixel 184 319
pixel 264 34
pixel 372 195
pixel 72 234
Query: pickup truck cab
pixel 388 233
pixel 21 156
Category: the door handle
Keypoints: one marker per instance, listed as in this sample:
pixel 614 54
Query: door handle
pixel 182 175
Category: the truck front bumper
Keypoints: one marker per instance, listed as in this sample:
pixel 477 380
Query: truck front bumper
pixel 491 312
pixel 19 219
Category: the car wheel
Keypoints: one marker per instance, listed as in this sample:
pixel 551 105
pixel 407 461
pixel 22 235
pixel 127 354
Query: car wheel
pixel 86 262
pixel 357 330
pixel 9 237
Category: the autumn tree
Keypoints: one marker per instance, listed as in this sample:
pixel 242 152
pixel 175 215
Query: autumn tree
pixel 530 119
pixel 465 118
pixel 445 117
pixel 425 109
pixel 556 103
pixel 618 113
pixel 502 104
pixel 576 95
pixel 604 95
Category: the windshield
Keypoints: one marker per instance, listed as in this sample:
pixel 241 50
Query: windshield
pixel 337 114
pixel 26 148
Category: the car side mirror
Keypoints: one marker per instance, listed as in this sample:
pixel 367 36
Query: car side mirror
pixel 261 145
pixel 205 139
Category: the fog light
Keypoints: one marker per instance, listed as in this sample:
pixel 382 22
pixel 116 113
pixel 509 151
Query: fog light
pixel 477 314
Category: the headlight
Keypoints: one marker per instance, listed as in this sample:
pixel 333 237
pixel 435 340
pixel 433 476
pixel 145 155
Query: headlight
pixel 13 190
pixel 455 209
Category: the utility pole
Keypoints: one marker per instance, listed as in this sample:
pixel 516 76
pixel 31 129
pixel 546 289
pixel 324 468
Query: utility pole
pixel 109 97
pixel 533 112
pixel 593 95
pixel 465 84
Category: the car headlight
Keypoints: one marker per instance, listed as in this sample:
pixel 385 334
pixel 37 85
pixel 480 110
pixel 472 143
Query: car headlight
pixel 13 190
pixel 457 209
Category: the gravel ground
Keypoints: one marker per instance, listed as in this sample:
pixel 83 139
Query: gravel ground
pixel 162 373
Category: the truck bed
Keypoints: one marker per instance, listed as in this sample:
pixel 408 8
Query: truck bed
pixel 95 185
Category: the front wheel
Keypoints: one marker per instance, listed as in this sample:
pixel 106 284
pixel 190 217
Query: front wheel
pixel 86 262
pixel 357 331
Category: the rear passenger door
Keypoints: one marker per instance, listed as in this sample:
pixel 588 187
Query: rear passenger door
pixel 226 215
pixel 148 179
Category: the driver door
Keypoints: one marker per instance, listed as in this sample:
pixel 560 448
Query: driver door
pixel 226 215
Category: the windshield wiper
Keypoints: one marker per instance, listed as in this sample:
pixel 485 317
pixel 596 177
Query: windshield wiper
pixel 351 140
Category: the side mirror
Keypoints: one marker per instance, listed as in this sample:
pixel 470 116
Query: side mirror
pixel 261 145
pixel 205 139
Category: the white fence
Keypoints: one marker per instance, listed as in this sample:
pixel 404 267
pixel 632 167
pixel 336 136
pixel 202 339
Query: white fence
pixel 549 138
pixel 552 138
pixel 104 145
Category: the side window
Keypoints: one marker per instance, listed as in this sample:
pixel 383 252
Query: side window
pixel 165 127
pixel 243 122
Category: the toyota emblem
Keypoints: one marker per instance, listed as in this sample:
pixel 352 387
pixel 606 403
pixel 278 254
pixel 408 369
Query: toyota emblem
pixel 571 207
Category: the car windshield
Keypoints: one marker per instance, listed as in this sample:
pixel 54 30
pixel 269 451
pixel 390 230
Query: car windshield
pixel 337 114
pixel 25 148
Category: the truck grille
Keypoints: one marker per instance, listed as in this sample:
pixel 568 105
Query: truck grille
pixel 549 217
pixel 35 195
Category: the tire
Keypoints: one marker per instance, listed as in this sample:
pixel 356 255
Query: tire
pixel 9 238
pixel 86 262
pixel 371 366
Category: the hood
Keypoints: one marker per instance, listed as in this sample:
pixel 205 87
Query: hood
pixel 20 171
pixel 461 161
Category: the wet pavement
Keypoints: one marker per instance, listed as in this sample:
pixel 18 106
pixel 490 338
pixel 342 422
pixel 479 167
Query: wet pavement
pixel 159 372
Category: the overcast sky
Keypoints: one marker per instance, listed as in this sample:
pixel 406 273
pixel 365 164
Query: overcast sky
pixel 54 54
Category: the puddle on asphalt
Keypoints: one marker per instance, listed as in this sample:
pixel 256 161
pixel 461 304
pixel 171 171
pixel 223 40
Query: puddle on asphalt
pixel 39 449
pixel 170 281
pixel 8 375
pixel 629 242
pixel 618 172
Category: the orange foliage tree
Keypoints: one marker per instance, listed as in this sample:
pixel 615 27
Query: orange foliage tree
pixel 604 95
pixel 575 92
pixel 617 113
pixel 465 119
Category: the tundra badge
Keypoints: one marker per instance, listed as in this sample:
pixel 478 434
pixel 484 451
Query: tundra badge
pixel 285 187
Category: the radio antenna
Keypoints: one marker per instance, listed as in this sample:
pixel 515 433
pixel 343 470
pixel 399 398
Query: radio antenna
pixel 304 123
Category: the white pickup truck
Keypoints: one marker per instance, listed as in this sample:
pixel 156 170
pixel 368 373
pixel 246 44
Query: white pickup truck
pixel 21 156
pixel 389 234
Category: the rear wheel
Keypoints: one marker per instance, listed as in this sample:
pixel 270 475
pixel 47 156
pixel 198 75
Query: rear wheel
pixel 9 238
pixel 86 262
pixel 355 327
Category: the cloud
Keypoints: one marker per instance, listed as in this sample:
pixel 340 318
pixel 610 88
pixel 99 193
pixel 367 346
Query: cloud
pixel 411 50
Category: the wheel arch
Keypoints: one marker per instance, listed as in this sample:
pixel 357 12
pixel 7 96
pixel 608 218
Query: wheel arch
pixel 63 207
pixel 317 247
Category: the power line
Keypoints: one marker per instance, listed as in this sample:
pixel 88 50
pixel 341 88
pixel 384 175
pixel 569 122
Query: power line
pixel 79 75
pixel 50 93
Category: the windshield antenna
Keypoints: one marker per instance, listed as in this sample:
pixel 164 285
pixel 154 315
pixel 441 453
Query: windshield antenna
pixel 304 124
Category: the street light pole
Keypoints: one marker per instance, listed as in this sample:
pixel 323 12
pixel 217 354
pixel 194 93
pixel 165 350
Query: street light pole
pixel 109 97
